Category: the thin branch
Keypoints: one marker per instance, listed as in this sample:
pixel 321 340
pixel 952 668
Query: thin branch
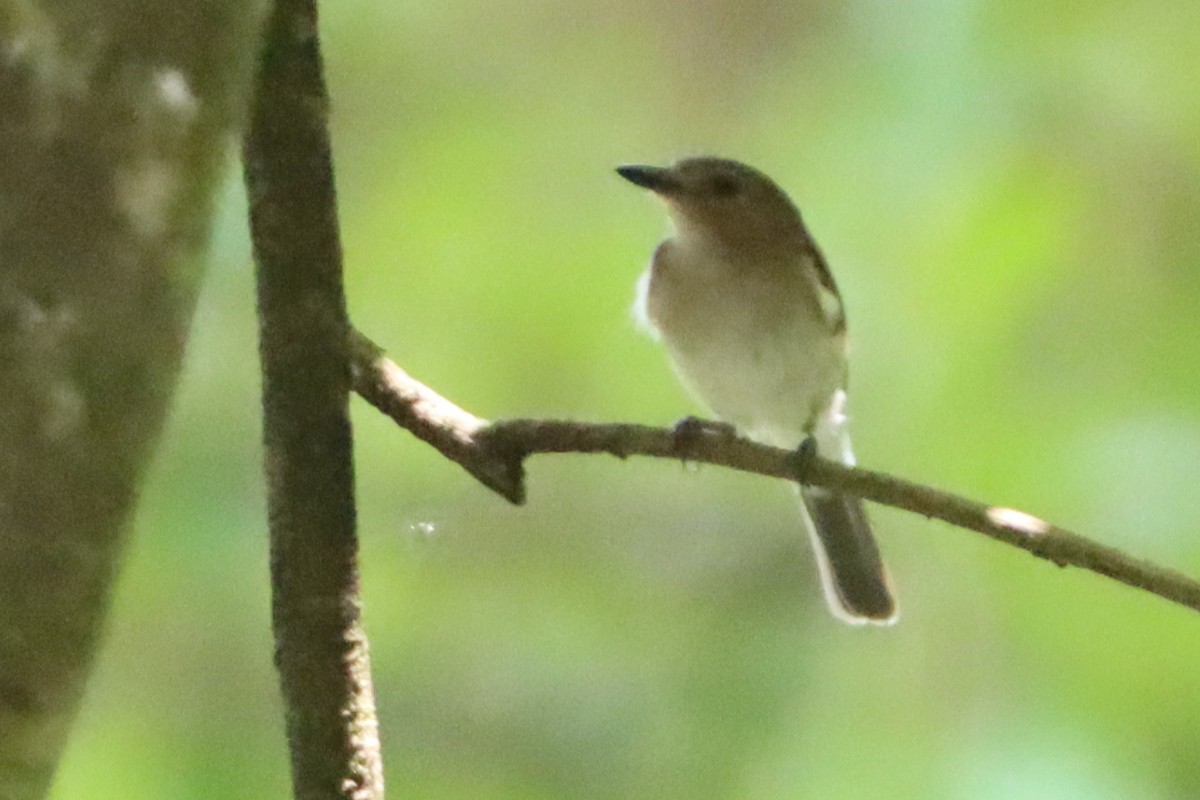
pixel 320 646
pixel 494 452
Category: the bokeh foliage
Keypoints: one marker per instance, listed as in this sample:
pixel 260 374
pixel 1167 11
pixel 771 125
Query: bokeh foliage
pixel 1009 194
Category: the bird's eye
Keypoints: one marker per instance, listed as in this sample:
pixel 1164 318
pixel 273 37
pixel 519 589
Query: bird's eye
pixel 723 186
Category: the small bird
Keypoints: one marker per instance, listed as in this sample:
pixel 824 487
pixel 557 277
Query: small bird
pixel 754 325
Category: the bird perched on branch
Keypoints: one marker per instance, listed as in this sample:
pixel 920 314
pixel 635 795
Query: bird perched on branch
pixel 754 325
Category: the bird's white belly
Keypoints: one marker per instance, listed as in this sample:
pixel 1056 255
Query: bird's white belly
pixel 764 362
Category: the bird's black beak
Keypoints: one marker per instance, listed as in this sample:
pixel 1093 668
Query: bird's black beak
pixel 659 180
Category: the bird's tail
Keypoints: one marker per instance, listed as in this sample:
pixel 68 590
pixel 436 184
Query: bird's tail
pixel 852 572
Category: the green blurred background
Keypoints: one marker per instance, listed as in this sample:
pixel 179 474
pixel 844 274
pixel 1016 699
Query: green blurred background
pixel 1008 193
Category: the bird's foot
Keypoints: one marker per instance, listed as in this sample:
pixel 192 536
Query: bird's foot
pixel 689 432
pixel 801 458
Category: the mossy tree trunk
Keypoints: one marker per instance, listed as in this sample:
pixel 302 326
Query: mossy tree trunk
pixel 116 121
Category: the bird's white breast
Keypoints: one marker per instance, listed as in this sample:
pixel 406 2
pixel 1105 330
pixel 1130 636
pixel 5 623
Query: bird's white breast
pixel 756 345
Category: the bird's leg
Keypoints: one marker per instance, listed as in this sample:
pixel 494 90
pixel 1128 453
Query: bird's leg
pixel 690 430
pixel 801 458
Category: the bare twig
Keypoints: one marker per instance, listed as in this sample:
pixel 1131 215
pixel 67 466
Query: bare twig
pixel 494 452
pixel 320 646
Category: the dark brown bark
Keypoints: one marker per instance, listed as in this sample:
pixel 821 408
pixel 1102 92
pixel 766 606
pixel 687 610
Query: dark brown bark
pixel 320 646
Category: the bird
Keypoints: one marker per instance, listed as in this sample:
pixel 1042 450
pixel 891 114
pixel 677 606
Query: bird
pixel 754 326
